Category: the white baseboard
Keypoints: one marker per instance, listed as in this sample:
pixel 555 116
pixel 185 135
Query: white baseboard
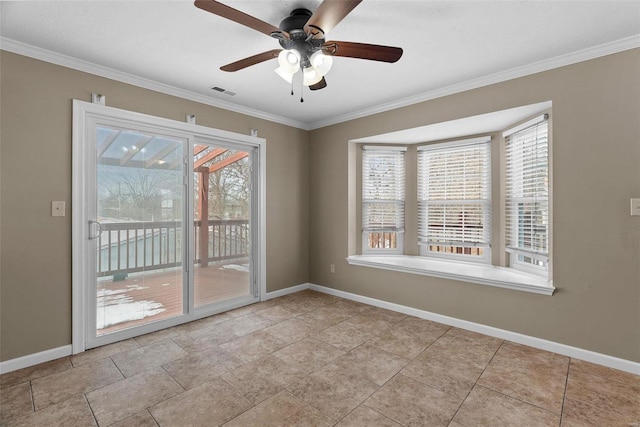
pixel 34 359
pixel 286 291
pixel 566 350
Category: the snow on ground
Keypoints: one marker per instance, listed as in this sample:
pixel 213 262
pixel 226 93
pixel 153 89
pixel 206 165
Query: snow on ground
pixel 114 307
pixel 243 267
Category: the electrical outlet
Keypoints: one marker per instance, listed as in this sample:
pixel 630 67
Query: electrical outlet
pixel 332 267
pixel 635 207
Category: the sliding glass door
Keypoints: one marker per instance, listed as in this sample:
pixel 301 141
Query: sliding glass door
pixel 222 214
pixel 139 227
pixel 165 224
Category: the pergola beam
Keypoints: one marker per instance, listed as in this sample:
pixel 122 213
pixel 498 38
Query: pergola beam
pixel 140 143
pixel 229 160
pixel 208 157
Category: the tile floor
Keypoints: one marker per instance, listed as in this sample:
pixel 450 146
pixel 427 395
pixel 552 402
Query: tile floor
pixel 311 359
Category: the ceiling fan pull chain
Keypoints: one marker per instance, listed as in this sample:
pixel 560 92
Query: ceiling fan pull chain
pixel 301 88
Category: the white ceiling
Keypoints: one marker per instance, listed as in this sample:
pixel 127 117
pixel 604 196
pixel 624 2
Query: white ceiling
pixel 447 45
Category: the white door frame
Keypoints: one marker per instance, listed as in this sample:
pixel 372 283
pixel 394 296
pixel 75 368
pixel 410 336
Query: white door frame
pixel 82 182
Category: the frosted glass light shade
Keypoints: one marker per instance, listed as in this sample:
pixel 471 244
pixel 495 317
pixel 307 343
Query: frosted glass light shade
pixel 289 60
pixel 321 63
pixel 287 76
pixel 310 76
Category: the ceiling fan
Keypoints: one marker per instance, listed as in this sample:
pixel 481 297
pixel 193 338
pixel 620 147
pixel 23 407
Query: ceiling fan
pixel 302 38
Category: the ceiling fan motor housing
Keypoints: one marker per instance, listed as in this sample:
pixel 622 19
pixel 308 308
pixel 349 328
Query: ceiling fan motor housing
pixel 298 39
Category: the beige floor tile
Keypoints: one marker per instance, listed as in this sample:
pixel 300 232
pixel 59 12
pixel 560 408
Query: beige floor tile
pixel 197 368
pixel 283 409
pixel 141 419
pixel 205 322
pixel 280 313
pixel 253 308
pixel 345 336
pixel 120 400
pixel 207 337
pixel 412 403
pixel 254 346
pixel 98 353
pixel 373 319
pixel 351 307
pixel 538 385
pixel 319 297
pixel 332 391
pixel 309 354
pixel 209 404
pixel 395 314
pixel 33 372
pixel 485 407
pixel 605 394
pixel 250 323
pixel 452 375
pixel 262 378
pixel 420 326
pixel 581 367
pixel 341 308
pixel 290 331
pixel 578 414
pixel 302 305
pixel 409 337
pixel 371 363
pixel 160 335
pixel 483 347
pixel 321 318
pixel 15 401
pixel 532 359
pixel 365 416
pixel 134 361
pixel 401 342
pixel 61 386
pixel 70 413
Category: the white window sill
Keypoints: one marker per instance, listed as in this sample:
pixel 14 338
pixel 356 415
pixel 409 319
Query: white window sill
pixel 468 272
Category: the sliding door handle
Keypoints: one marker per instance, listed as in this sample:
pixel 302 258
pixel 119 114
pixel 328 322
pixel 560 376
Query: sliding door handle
pixel 99 229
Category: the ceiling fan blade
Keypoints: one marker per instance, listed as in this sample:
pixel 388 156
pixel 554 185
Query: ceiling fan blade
pixel 320 85
pixel 328 15
pixel 251 60
pixel 242 18
pixel 372 52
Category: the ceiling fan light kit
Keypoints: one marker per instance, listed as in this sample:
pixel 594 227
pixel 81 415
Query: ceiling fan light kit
pixel 302 38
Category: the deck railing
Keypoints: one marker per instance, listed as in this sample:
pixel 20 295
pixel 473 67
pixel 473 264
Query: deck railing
pixel 129 247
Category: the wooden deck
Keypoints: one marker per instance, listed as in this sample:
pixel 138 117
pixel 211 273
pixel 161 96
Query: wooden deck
pixel 151 296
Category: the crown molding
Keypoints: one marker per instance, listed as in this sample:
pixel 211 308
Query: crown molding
pixel 45 55
pixel 616 46
pixel 621 45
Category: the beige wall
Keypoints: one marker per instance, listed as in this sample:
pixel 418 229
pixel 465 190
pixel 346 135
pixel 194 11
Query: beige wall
pixel 35 287
pixel 596 151
pixel 596 170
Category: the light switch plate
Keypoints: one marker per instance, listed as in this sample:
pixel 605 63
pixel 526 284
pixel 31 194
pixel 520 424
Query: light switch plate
pixel 57 208
pixel 635 207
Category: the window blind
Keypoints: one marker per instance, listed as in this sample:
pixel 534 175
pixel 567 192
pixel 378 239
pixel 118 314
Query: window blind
pixel 527 192
pixel 454 195
pixel 383 189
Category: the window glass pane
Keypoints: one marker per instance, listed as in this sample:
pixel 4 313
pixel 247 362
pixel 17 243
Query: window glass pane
pixel 382 197
pixel 454 200
pixel 527 195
